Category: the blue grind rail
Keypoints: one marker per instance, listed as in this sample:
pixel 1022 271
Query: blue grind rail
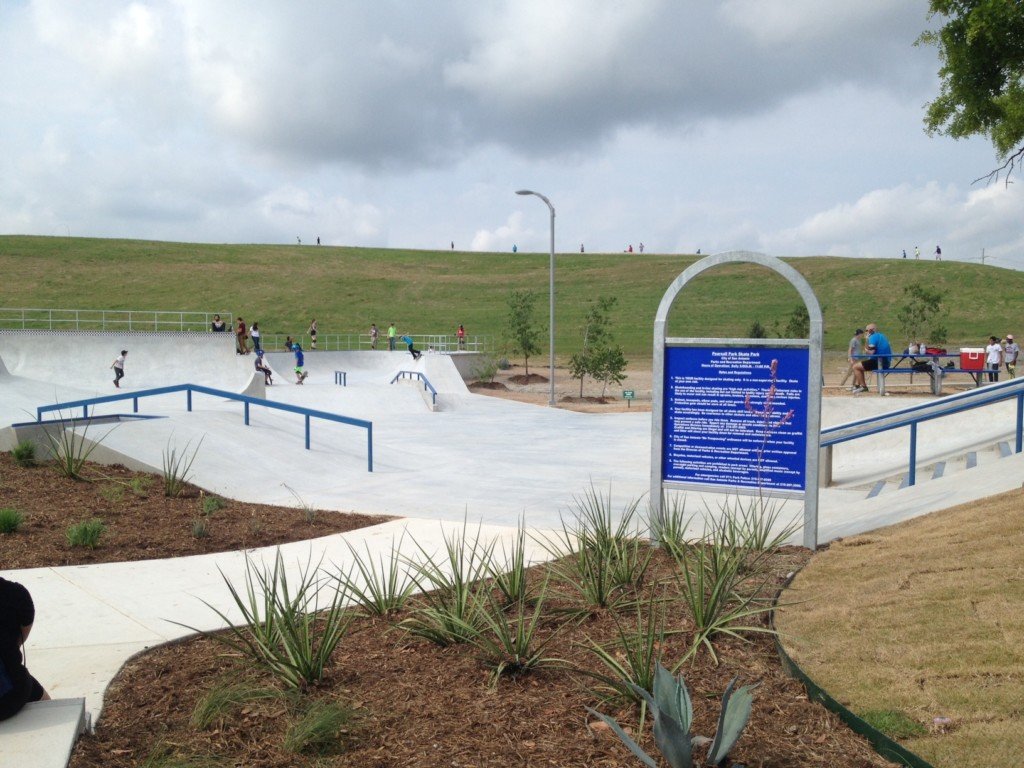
pixel 417 375
pixel 248 401
pixel 911 417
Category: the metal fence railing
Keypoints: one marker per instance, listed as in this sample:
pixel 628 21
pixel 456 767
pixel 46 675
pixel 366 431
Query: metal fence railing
pixel 30 319
pixel 345 342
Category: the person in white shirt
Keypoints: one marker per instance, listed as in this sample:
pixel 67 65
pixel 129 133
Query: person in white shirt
pixel 1011 351
pixel 993 358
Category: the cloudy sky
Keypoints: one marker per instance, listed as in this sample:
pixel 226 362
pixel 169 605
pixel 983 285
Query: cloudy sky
pixel 791 127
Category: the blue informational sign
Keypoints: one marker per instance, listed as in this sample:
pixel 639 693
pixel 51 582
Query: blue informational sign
pixel 736 417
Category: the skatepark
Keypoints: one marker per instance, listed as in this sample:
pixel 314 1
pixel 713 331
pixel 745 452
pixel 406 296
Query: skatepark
pixel 437 460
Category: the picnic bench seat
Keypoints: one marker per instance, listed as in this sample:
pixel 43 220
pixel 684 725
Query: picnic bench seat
pixel 936 372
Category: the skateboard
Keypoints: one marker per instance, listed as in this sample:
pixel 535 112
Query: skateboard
pixel 302 377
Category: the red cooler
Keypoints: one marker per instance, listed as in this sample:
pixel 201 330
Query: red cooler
pixel 972 358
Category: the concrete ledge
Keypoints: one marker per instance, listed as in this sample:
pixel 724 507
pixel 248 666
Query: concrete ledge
pixel 43 734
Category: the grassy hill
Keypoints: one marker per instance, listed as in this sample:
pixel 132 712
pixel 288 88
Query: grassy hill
pixel 433 291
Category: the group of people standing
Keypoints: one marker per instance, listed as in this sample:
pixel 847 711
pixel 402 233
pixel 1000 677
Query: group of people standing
pixel 1001 353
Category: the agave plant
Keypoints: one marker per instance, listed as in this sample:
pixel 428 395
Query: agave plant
pixel 672 710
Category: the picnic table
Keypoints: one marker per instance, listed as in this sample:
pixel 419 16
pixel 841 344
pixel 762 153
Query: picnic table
pixel 936 371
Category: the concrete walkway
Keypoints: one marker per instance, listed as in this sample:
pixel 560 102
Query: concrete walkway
pixel 481 459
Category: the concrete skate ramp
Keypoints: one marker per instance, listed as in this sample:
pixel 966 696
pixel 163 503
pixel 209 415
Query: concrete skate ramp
pixel 83 358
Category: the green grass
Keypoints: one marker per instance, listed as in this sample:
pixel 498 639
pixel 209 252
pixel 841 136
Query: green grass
pixel 346 289
pixel 894 724
pixel 10 520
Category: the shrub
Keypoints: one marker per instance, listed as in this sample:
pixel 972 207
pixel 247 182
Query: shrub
pixel 10 520
pixel 211 504
pixel 71 449
pixel 85 534
pixel 380 588
pixel 24 454
pixel 486 369
pixel 224 698
pixel 200 528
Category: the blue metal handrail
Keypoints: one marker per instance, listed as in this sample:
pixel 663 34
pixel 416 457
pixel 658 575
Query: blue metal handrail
pixel 246 399
pixel 912 416
pixel 417 375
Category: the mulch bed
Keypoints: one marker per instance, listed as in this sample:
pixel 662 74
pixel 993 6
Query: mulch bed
pixel 141 522
pixel 533 378
pixel 417 705
pixel 489 385
pixel 585 399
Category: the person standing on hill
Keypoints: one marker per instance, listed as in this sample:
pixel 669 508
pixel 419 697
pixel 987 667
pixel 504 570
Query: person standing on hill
pixel 312 334
pixel 118 366
pixel 1010 354
pixel 461 336
pixel 391 336
pixel 917 252
pixel 218 325
pixel 938 253
pixel 374 333
pixel 17 614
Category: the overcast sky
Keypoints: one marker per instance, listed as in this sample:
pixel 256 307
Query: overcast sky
pixel 792 127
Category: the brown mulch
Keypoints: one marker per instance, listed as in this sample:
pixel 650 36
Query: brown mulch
pixel 141 522
pixel 532 378
pixel 490 385
pixel 586 399
pixel 416 705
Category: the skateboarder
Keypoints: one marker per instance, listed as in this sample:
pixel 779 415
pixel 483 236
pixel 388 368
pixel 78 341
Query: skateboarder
pixel 118 366
pixel 300 375
pixel 407 340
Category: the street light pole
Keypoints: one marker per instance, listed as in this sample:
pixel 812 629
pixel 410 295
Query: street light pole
pixel 551 294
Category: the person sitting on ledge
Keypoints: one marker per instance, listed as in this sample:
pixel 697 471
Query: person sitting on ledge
pixel 17 614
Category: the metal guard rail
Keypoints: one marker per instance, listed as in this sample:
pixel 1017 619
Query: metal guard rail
pixel 912 416
pixel 246 399
pixel 417 375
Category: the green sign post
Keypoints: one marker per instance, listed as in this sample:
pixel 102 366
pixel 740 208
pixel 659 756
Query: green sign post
pixel 628 395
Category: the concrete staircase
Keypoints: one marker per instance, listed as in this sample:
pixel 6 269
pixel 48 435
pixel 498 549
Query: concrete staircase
pixel 933 470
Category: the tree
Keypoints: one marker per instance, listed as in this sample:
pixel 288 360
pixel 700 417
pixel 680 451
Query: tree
pixel 757 331
pixel 922 314
pixel 596 337
pixel 981 46
pixel 798 324
pixel 522 328
pixel 609 366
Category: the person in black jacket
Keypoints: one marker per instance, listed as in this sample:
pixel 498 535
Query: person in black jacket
pixel 17 686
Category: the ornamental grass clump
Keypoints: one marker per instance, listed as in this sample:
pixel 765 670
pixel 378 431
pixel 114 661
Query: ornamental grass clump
pixel 378 587
pixel 85 534
pixel 672 712
pixel 508 572
pixel 24 454
pixel 10 520
pixel 453 585
pixel 175 469
pixel 606 562
pixel 288 629
pixel 69 449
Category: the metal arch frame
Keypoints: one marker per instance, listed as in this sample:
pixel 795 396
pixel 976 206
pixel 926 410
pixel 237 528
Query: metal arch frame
pixel 813 344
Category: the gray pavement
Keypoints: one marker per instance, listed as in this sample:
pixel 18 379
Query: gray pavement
pixel 480 459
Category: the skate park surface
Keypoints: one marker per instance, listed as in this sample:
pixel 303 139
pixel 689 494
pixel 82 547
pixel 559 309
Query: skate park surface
pixel 476 459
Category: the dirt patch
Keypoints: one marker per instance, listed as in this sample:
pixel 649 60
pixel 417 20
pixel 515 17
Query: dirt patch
pixel 588 399
pixel 526 379
pixel 141 523
pixel 487 385
pixel 417 705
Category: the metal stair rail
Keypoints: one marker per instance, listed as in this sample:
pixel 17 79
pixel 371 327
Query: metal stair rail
pixel 309 413
pixel 914 415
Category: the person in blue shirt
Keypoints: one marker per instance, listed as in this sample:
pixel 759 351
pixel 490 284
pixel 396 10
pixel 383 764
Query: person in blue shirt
pixel 881 357
pixel 407 339
pixel 300 375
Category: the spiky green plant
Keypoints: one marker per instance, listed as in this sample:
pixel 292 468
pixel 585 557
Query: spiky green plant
pixel 69 448
pixel 453 587
pixel 176 468
pixel 211 503
pixel 508 571
pixel 672 712
pixel 670 528
pixel 508 641
pixel 379 587
pixel 289 631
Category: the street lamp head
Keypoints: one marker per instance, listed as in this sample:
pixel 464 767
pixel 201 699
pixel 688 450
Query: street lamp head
pixel 525 192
